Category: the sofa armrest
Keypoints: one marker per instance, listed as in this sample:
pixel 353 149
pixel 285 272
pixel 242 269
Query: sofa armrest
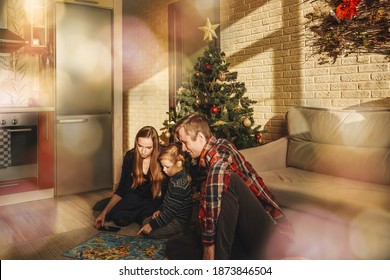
pixel 267 157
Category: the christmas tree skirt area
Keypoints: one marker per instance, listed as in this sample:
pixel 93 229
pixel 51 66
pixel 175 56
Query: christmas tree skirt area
pixel 111 246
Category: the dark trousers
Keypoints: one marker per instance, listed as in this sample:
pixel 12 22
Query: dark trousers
pixel 131 208
pixel 244 230
pixel 127 211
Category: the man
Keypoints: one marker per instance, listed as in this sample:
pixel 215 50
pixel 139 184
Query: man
pixel 239 217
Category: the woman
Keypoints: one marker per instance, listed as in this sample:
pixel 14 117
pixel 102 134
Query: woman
pixel 139 191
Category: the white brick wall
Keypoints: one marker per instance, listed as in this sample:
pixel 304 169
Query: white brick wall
pixel 280 72
pixel 265 42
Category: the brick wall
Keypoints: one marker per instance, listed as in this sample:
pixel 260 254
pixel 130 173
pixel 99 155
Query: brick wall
pixel 264 41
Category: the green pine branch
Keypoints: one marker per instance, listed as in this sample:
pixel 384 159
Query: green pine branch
pixel 213 90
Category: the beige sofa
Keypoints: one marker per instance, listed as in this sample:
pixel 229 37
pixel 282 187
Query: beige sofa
pixel 331 175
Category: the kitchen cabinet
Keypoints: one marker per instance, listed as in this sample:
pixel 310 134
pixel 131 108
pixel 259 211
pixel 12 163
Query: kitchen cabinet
pixel 36 29
pixel 17 186
pixel 32 157
pixel 38 23
pixel 32 143
pixel 45 150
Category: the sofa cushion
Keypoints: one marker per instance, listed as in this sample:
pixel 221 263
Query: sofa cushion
pixel 348 143
pixel 360 163
pixel 295 188
pixel 333 217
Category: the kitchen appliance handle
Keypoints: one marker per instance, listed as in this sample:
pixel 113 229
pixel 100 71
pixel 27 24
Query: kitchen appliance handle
pixel 9 185
pixel 73 121
pixel 47 126
pixel 21 130
pixel 88 1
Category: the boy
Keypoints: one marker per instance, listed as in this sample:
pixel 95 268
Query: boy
pixel 175 212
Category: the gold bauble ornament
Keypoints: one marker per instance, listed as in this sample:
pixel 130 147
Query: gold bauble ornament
pixel 247 122
pixel 197 102
pixel 167 134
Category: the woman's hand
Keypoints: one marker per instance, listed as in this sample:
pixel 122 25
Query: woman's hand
pixel 145 229
pixel 99 221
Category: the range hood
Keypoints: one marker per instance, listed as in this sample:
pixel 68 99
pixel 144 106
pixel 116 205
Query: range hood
pixel 9 41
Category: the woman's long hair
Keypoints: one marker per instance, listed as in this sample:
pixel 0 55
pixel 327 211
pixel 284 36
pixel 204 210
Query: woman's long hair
pixel 155 168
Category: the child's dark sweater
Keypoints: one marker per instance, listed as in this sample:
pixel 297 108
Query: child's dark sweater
pixel 177 203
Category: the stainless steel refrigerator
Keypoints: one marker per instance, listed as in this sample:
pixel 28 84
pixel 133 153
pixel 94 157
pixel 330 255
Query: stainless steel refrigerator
pixel 83 48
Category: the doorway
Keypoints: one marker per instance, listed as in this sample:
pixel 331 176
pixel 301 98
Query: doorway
pixel 186 42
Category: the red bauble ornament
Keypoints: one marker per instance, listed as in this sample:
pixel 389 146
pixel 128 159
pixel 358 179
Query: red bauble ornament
pixel 207 66
pixel 258 136
pixel 214 110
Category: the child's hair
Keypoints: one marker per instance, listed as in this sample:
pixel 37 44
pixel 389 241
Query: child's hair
pixel 172 152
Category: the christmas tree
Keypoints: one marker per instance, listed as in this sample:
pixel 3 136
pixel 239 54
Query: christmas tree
pixel 213 90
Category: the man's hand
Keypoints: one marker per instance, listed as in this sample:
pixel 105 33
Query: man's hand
pixel 208 252
pixel 145 229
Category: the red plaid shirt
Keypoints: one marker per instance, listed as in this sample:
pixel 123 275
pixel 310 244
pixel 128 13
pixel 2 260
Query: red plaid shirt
pixel 220 158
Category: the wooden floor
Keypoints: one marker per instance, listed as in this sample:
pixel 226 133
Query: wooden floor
pixel 32 220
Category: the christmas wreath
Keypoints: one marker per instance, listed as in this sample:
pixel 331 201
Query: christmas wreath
pixel 343 27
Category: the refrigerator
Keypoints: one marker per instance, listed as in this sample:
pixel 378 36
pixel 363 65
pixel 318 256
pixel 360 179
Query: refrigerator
pixel 83 56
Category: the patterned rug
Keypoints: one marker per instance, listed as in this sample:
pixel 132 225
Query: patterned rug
pixel 111 246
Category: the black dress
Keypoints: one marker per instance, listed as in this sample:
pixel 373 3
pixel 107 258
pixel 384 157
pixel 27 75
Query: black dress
pixel 136 204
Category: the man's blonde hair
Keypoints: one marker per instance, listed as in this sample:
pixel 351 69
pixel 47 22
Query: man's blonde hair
pixel 193 124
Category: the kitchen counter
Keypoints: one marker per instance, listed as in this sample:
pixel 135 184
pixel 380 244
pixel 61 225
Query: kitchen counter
pixel 26 109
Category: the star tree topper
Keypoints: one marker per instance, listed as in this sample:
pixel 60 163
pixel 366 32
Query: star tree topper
pixel 209 30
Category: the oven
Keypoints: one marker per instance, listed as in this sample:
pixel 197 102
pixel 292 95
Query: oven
pixel 18 147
